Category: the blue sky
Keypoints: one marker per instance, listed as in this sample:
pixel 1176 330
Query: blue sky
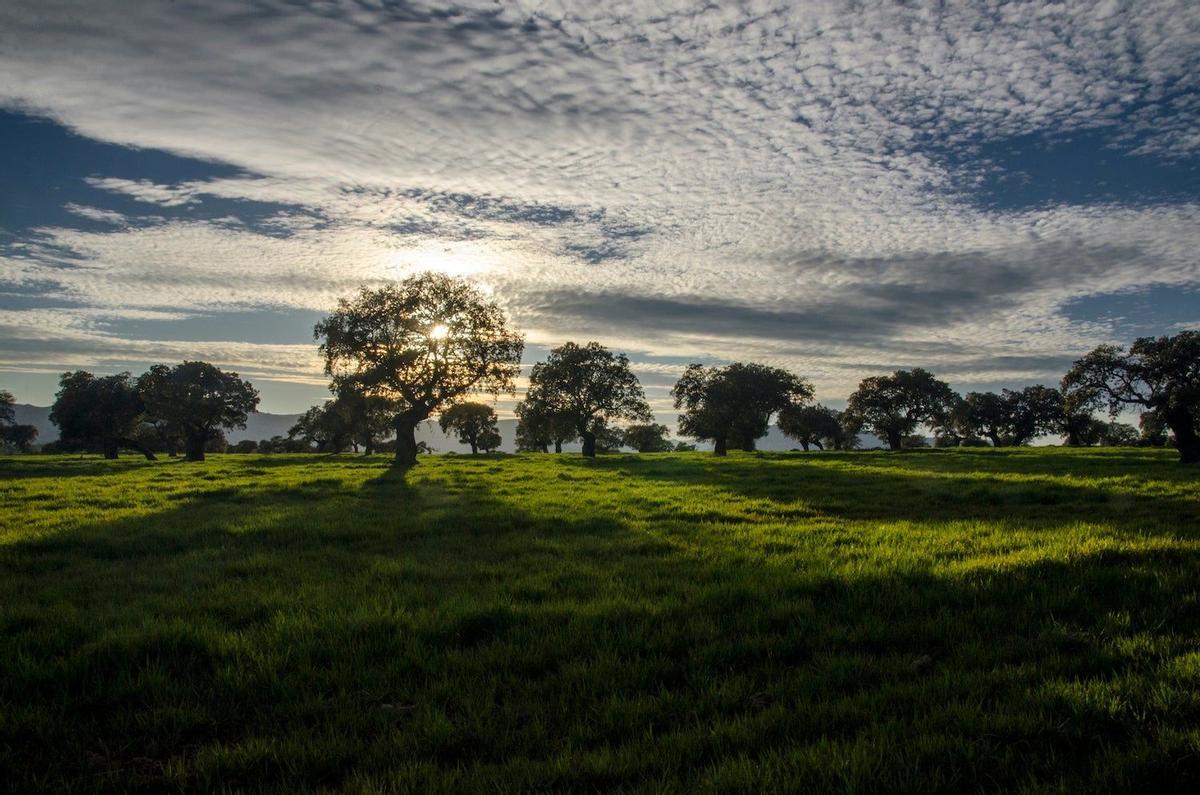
pixel 985 190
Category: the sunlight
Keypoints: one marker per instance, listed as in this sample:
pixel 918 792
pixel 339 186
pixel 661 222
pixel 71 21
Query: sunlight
pixel 439 332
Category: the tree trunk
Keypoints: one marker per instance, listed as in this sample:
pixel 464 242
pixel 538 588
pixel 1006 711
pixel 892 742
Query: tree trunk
pixel 719 446
pixel 995 437
pixel 748 445
pixel 474 446
pixel 406 442
pixel 589 444
pixel 895 440
pixel 193 447
pixel 820 446
pixel 558 445
pixel 110 449
pixel 804 445
pixel 1181 424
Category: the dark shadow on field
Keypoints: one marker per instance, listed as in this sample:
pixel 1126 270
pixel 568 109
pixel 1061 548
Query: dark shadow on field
pixel 319 637
pixel 932 486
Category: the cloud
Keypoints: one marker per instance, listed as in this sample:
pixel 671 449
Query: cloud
pixel 794 183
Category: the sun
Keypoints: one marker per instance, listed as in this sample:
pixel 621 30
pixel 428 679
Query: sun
pixel 439 332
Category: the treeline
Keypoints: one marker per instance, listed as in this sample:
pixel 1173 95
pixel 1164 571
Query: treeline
pixel 399 354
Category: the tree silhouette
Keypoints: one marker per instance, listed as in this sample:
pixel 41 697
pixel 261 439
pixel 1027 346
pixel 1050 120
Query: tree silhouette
pixel 422 343
pixel 199 399
pixel 734 404
pixel 811 425
pixel 329 427
pixel 99 412
pixel 1161 374
pixel 538 427
pixel 14 436
pixel 587 386
pixel 1031 412
pixel 473 424
pixel 892 406
pixel 648 438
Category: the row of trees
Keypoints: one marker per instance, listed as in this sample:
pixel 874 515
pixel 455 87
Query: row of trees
pixel 186 406
pixel 398 354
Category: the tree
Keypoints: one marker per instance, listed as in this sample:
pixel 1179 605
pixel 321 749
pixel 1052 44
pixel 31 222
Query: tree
pixel 892 406
pixel 369 418
pixel 13 436
pixel 102 412
pixel 949 422
pixel 1154 430
pixel 647 438
pixel 421 343
pixel 245 446
pixel 810 425
pixel 1032 412
pixel 199 399
pixel 587 386
pixel 538 426
pixel 734 404
pixel 472 423
pixel 489 440
pixel 1119 434
pixel 329 427
pixel 986 414
pixel 608 439
pixel 1161 374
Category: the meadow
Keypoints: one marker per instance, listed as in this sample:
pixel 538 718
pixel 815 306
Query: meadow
pixel 965 620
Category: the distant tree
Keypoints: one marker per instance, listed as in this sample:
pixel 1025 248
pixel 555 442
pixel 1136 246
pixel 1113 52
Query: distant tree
pixel 538 427
pixel 472 423
pixel 101 413
pixel 245 446
pixel 949 422
pixel 647 438
pixel 1032 412
pixel 199 399
pixel 217 443
pixel 892 406
pixel 734 404
pixel 14 437
pixel 489 440
pixel 1119 434
pixel 587 386
pixel 986 414
pixel 811 425
pixel 608 439
pixel 914 441
pixel 1153 429
pixel 330 427
pixel 370 418
pixel 1161 374
pixel 846 437
pixel 422 343
pixel 684 447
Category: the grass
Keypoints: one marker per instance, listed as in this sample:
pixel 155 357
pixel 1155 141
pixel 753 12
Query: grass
pixel 968 620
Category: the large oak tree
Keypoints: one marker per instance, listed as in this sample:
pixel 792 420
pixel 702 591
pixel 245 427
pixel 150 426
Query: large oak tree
pixel 587 386
pixel 734 404
pixel 892 406
pixel 422 343
pixel 1159 374
pixel 199 399
pixel 101 412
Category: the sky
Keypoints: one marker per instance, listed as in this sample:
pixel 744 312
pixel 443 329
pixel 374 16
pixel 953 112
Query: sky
pixel 987 190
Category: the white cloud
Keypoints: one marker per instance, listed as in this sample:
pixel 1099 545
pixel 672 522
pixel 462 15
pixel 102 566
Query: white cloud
pixel 781 159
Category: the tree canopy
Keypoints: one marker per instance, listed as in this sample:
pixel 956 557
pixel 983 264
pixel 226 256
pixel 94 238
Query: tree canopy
pixel 1159 374
pixel 421 343
pixel 12 435
pixel 734 404
pixel 101 412
pixel 892 406
pixel 649 437
pixel 198 398
pixel 811 425
pixel 474 424
pixel 587 386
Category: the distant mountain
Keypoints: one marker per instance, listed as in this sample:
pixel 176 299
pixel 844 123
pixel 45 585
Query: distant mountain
pixel 263 426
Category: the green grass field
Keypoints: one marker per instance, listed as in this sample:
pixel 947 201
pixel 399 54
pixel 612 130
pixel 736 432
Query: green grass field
pixel 947 621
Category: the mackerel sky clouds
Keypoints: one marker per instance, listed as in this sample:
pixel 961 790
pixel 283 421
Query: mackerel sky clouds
pixel 984 189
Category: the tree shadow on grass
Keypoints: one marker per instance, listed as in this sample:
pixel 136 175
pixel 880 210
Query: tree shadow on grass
pixel 419 635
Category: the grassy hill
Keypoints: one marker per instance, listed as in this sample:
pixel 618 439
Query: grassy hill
pixel 947 621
